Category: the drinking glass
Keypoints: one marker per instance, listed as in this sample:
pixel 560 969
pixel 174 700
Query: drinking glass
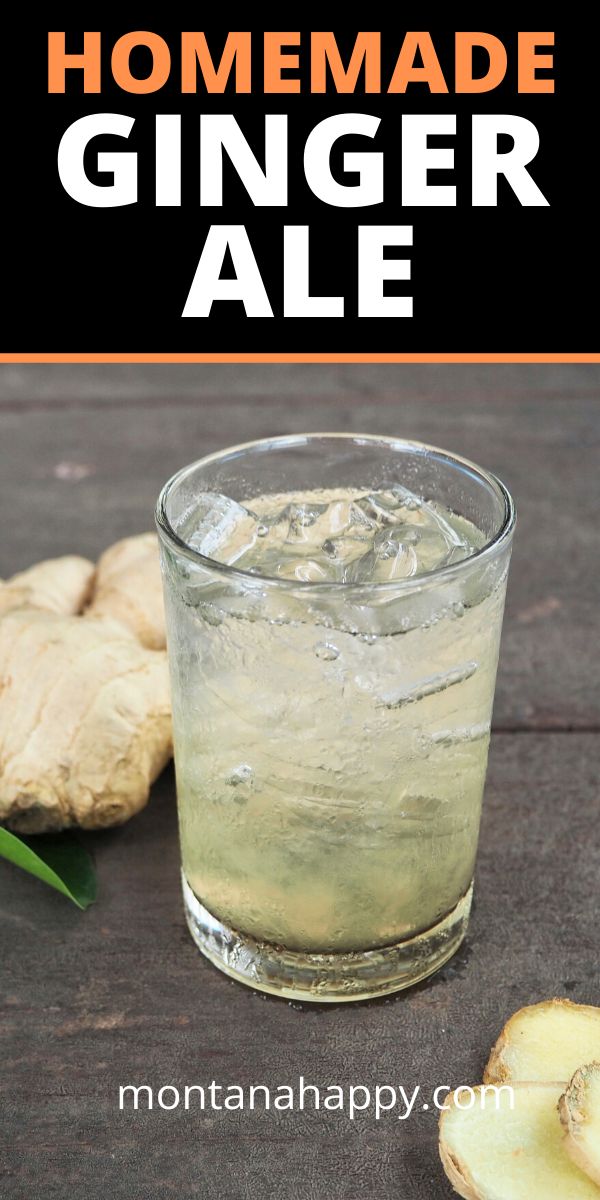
pixel 331 738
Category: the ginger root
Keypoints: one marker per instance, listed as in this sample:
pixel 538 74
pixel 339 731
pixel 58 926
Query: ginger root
pixel 85 719
pixel 60 585
pixel 84 722
pixel 492 1151
pixel 128 589
pixel 545 1042
pixel 579 1110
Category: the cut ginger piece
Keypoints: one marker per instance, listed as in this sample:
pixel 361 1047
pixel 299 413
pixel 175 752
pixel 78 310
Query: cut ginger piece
pixel 85 722
pixel 493 1151
pixel 545 1043
pixel 579 1110
pixel 128 589
pixel 60 585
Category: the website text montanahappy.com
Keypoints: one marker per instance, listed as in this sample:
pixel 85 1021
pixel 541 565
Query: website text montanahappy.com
pixel 377 1100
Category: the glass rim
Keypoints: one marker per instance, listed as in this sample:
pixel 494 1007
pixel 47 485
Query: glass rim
pixel 411 583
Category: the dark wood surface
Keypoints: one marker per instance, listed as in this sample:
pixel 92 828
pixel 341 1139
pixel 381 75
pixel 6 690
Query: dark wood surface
pixel 119 994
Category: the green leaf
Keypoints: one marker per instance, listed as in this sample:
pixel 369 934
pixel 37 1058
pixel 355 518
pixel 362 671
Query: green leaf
pixel 58 860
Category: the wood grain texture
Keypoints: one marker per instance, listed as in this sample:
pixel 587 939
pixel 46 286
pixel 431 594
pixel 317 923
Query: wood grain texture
pixel 106 384
pixel 120 994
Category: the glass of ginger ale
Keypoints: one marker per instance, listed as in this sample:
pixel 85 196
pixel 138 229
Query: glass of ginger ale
pixel 334 606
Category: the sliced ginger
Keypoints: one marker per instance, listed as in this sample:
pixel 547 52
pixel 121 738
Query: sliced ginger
pixel 579 1110
pixel 128 589
pixel 528 1152
pixel 545 1042
pixel 493 1152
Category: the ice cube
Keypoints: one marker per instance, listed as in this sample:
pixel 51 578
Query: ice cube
pixel 305 570
pixel 406 498
pixel 390 558
pixel 338 518
pixel 302 519
pixel 378 509
pixel 219 528
pixel 431 548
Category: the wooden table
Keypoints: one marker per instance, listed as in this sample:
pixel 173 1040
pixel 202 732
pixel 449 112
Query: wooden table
pixel 119 994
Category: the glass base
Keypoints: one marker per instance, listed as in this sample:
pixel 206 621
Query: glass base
pixel 325 978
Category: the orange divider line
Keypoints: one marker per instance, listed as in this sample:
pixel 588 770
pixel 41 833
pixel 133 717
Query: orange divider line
pixel 295 357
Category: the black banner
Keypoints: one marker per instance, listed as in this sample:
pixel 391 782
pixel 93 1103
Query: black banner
pixel 483 276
